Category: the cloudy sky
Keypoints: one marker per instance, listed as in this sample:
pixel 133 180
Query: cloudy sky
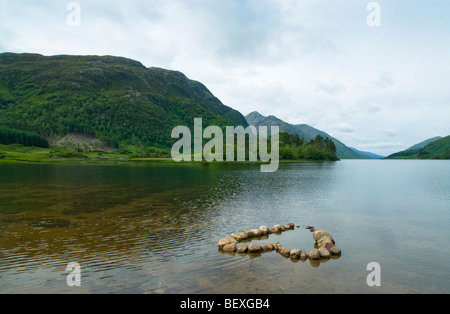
pixel 379 88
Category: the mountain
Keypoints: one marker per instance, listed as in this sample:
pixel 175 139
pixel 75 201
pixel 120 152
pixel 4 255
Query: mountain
pixel 424 143
pixel 257 119
pixel 367 154
pixel 116 100
pixel 304 131
pixel 438 149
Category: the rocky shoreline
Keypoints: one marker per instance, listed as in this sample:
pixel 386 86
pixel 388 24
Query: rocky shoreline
pixel 324 247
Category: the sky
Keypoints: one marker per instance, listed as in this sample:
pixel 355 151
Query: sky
pixel 373 74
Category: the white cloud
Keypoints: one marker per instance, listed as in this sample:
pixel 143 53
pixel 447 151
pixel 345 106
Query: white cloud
pixel 391 132
pixel 330 87
pixel 344 127
pixel 384 80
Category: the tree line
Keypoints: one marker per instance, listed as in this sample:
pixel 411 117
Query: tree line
pixel 13 136
pixel 292 147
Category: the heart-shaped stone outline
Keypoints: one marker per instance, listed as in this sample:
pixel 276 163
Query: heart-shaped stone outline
pixel 326 246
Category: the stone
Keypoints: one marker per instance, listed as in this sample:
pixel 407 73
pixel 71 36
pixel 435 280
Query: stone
pixel 314 254
pixel 285 252
pixel 227 240
pixel 328 245
pixel 276 229
pixel 335 250
pixel 242 248
pixel 324 253
pixel 321 236
pixel 324 250
pixel 265 230
pixel 254 248
pixel 236 237
pixel 295 253
pixel 246 232
pixel 303 256
pixel 243 235
pixel 222 242
pixel 277 247
pixel 230 247
pixel 255 233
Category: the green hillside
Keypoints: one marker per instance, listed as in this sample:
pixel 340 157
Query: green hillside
pixel 116 100
pixel 438 149
pixel 424 143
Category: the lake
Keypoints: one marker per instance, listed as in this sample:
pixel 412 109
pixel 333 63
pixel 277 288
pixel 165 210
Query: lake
pixel 154 227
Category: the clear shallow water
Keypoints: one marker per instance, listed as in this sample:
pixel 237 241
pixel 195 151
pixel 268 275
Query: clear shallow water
pixel 154 228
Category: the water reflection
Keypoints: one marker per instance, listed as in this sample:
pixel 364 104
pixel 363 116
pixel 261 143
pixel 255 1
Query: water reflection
pixel 154 228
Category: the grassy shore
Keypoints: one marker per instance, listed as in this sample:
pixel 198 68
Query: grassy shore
pixel 16 153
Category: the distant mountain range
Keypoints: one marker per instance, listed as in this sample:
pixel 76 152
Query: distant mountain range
pixel 307 133
pixel 368 154
pixel 433 148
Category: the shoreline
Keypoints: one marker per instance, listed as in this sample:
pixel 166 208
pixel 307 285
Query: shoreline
pixel 147 160
pixel 16 153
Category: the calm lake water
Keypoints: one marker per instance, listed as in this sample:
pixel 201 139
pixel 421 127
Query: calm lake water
pixel 154 227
